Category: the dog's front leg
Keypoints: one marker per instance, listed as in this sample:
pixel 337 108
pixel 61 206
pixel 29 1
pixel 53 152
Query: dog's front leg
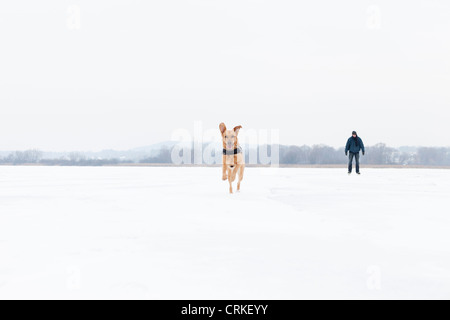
pixel 230 181
pixel 224 172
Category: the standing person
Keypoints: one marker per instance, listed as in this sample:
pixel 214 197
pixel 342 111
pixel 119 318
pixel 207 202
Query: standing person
pixel 354 145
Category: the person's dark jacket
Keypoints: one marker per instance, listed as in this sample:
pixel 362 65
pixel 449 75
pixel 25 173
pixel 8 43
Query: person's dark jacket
pixel 354 145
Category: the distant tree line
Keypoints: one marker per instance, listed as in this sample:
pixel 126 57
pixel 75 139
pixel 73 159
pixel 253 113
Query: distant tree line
pixel 81 163
pixel 23 157
pixel 379 154
pixel 36 157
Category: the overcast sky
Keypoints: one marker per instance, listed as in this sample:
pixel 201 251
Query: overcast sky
pixel 99 74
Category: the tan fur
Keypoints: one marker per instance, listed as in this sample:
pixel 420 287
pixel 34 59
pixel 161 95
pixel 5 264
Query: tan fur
pixel 232 164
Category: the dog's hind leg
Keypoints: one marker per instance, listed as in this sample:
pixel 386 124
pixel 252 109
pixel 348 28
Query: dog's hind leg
pixel 241 177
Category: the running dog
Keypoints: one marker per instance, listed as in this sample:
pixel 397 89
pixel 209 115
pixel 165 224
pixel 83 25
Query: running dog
pixel 233 159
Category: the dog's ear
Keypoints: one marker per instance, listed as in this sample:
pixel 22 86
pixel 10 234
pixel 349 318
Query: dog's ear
pixel 236 129
pixel 222 127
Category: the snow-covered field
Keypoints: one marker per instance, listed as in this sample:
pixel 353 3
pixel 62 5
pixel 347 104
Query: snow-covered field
pixel 176 233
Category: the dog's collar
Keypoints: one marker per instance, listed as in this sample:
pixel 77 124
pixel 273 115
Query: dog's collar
pixel 232 152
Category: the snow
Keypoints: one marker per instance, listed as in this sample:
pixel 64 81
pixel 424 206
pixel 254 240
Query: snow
pixel 176 233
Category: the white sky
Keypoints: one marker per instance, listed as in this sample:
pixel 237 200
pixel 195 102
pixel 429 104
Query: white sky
pixel 136 71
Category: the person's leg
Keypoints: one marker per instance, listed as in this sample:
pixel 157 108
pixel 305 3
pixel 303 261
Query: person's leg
pixel 350 162
pixel 357 162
